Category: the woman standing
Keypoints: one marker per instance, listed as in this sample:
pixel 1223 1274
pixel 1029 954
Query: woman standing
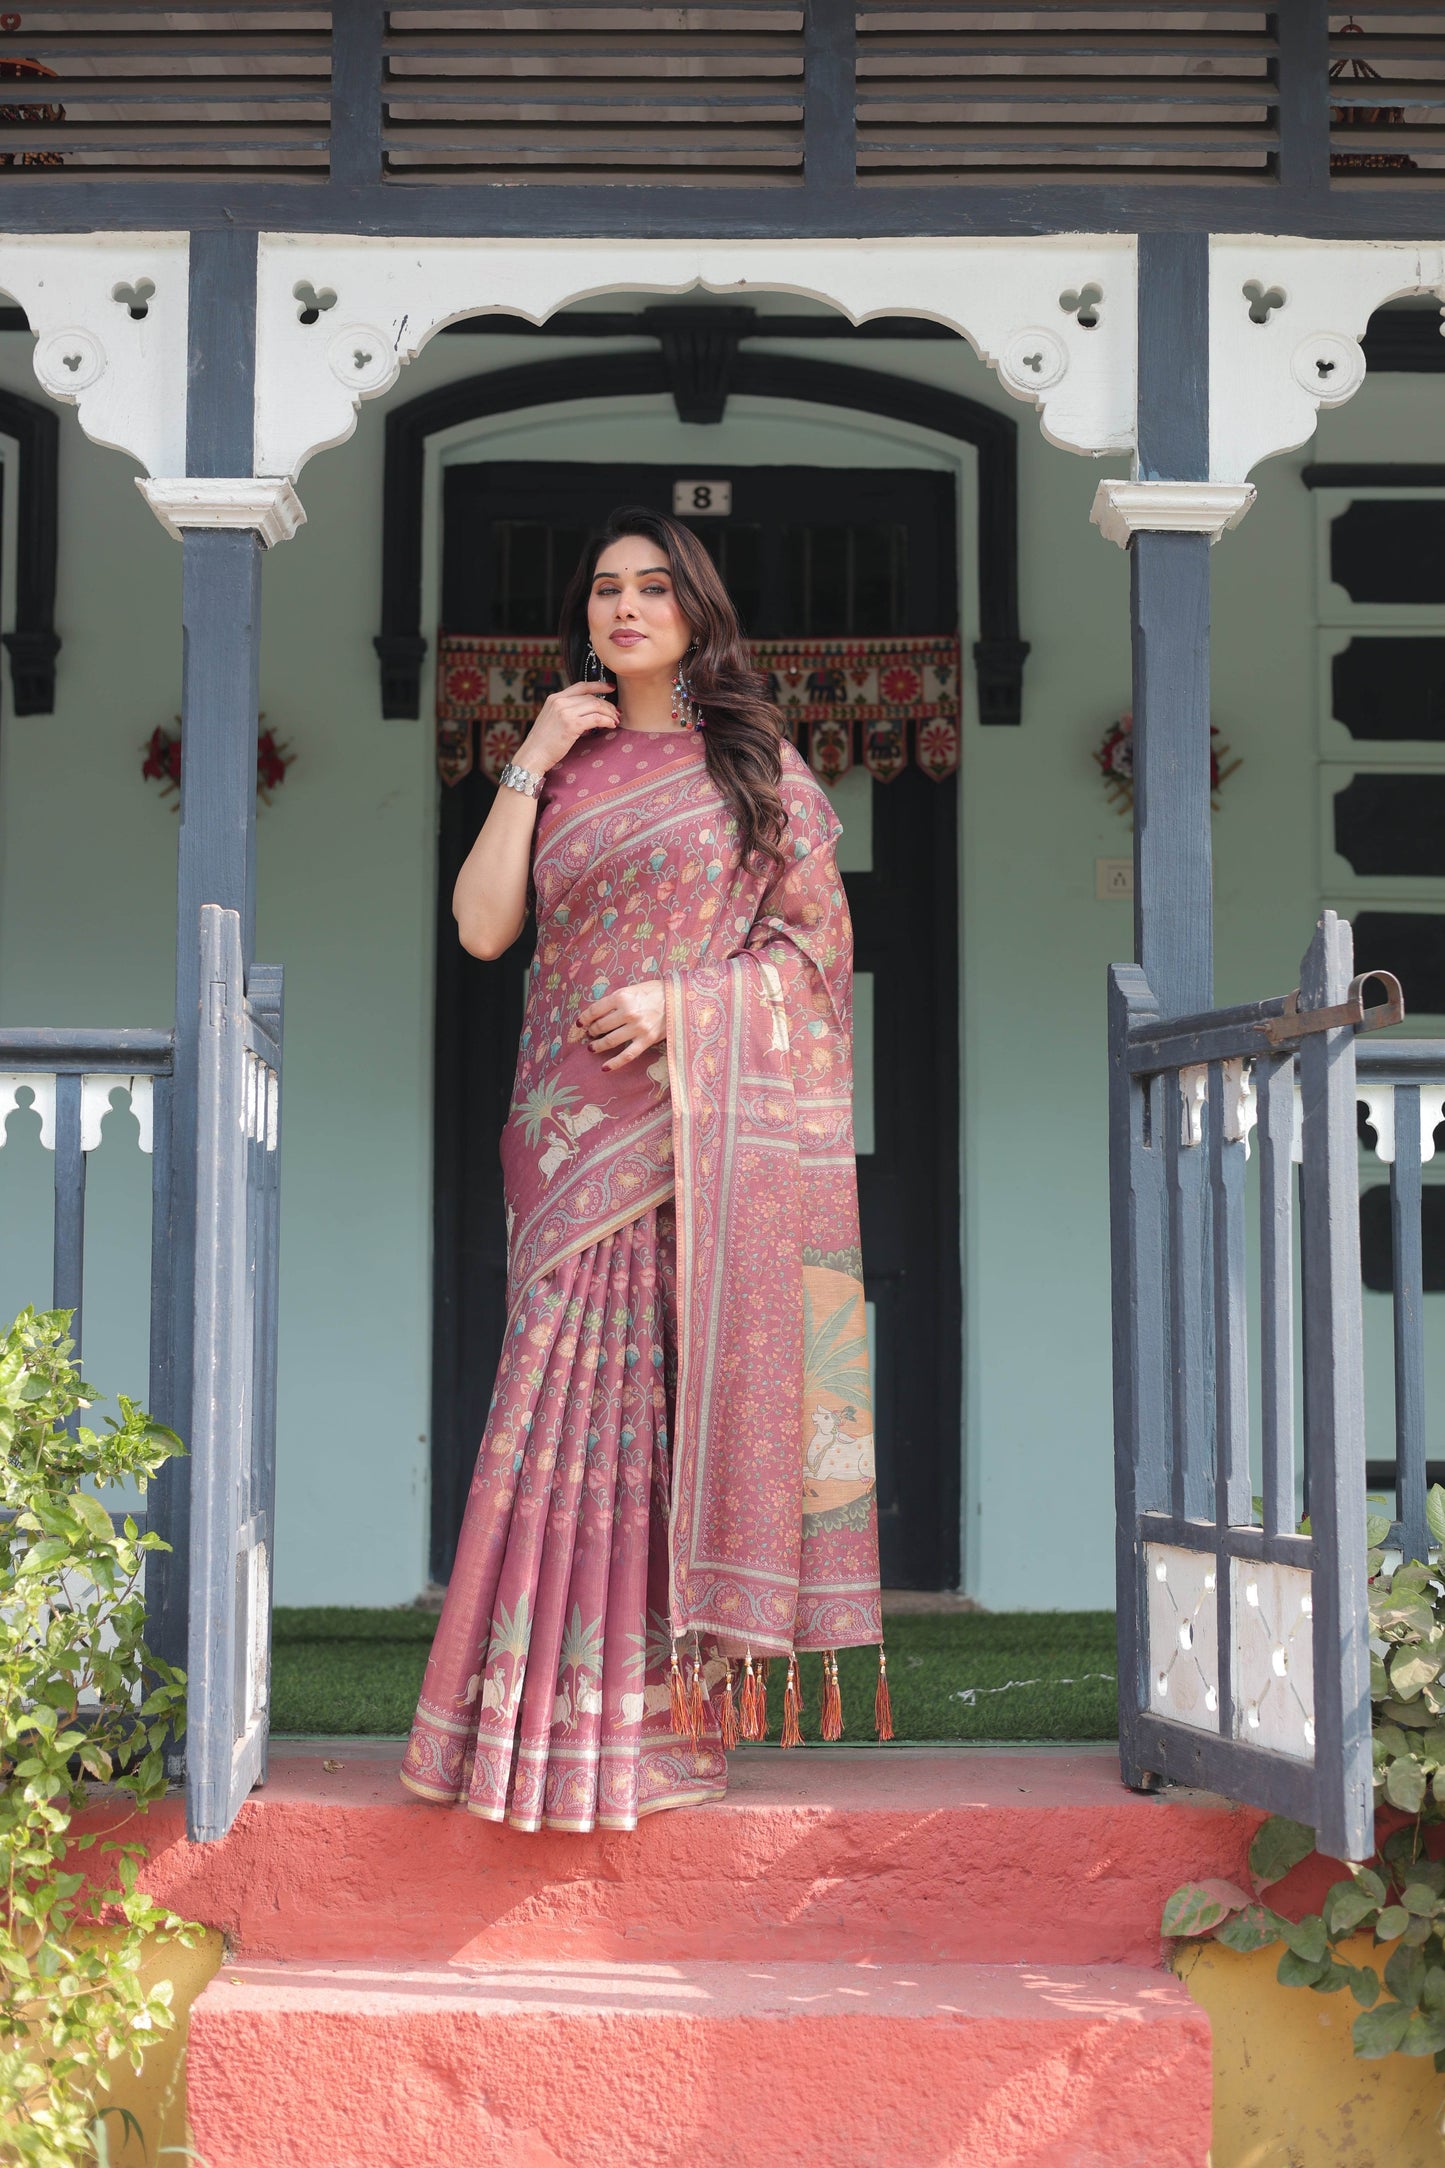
pixel 676 1479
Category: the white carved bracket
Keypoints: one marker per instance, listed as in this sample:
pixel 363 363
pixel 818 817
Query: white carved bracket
pixel 1378 1101
pixel 95 1091
pixel 1054 315
pixel 1285 322
pixel 109 311
pixel 266 503
pixel 1241 1102
pixel 43 1104
pixel 1193 1099
pixel 1123 509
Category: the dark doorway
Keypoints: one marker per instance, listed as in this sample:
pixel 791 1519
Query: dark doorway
pixel 805 551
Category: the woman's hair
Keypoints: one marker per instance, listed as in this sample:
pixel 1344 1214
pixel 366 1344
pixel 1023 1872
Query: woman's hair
pixel 744 732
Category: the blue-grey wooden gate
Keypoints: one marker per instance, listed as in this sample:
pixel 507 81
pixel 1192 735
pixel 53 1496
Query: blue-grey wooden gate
pixel 1243 1632
pixel 233 1420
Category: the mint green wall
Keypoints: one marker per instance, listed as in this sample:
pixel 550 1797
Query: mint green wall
pixel 346 873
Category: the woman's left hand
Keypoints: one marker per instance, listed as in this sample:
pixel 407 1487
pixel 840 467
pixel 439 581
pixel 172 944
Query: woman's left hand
pixel 625 1023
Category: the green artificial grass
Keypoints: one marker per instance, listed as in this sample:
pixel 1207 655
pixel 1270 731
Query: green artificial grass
pixel 343 1673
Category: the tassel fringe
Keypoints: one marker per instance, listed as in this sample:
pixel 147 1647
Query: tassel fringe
pixel 831 1724
pixel 753 1709
pixel 792 1706
pixel 728 1720
pixel 696 1697
pixel 882 1700
pixel 678 1710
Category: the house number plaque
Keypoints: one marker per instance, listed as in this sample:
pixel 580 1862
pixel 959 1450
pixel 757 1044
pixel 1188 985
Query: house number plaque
pixel 691 500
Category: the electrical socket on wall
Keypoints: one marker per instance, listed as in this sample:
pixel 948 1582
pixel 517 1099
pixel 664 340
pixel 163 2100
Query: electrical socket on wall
pixel 1113 877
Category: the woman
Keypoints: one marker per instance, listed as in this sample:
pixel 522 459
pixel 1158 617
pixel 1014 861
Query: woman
pixel 676 1479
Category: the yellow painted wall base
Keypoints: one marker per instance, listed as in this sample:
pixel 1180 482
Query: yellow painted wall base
pixel 157 2098
pixel 1289 2091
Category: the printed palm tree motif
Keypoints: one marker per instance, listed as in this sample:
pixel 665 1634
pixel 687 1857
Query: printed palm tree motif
pixel 511 1633
pixel 542 1104
pixel 649 1651
pixel 581 1655
pixel 834 1359
pixel 549 1105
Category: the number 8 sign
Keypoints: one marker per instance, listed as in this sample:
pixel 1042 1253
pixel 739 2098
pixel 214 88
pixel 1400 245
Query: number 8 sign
pixel 705 500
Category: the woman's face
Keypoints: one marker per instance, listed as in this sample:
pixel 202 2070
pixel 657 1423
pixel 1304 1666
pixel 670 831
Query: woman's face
pixel 633 617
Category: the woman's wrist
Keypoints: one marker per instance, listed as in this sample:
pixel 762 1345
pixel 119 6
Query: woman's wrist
pixel 532 756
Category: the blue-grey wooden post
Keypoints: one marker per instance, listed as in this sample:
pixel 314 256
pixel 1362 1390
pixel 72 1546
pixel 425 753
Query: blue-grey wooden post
pixel 221 624
pixel 221 1386
pixel 1169 615
pixel 358 76
pixel 1408 1279
pixel 1173 935
pixel 68 1272
pixel 1334 1366
pixel 1141 1388
pixel 830 121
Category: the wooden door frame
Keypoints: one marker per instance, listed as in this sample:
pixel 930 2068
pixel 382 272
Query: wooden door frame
pixel 998 652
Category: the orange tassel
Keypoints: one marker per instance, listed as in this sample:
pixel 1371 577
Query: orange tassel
pixel 678 1708
pixel 728 1722
pixel 753 1715
pixel 831 1725
pixel 792 1706
pixel 696 1699
pixel 883 1701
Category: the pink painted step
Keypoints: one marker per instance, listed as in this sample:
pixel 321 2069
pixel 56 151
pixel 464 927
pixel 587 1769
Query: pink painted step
pixel 584 2064
pixel 962 1857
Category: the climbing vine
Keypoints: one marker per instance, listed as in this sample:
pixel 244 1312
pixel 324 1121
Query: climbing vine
pixel 83 1702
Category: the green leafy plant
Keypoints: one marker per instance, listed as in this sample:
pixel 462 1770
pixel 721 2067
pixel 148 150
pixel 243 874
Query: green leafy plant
pixel 82 1702
pixel 1399 1898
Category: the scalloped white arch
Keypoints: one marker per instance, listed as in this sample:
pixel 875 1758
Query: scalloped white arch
pixel 1007 298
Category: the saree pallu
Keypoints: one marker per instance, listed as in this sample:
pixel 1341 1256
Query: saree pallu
pixel 680 1445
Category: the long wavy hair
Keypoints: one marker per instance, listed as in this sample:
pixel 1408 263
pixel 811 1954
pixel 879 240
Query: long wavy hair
pixel 743 731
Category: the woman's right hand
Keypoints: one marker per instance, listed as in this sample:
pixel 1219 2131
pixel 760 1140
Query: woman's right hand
pixel 562 719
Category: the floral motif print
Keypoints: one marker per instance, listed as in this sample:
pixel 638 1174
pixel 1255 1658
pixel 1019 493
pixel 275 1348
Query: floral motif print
pixel 545 1701
pixel 679 1446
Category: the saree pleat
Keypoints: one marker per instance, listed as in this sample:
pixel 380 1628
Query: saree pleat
pixel 545 1700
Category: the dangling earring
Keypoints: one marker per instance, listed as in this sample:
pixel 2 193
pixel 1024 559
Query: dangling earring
pixel 592 667
pixel 684 708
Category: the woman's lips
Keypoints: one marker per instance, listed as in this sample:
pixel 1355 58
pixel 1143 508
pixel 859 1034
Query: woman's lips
pixel 627 639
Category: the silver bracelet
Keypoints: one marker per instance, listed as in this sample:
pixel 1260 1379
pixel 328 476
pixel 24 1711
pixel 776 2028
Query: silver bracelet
pixel 514 778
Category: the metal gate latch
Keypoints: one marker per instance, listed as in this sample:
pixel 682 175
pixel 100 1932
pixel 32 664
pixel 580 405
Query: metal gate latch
pixel 1298 1023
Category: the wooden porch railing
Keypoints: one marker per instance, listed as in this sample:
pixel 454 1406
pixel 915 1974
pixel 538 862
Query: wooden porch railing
pixel 1401 1086
pixel 1243 1636
pixel 71 1075
pixel 223 1492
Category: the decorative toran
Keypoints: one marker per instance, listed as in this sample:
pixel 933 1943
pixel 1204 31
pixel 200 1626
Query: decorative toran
pixel 842 700
pixel 1115 757
pixel 161 761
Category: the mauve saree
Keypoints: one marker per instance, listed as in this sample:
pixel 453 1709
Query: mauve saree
pixel 679 1451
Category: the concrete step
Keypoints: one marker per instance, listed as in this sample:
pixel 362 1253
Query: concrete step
pixel 968 1857
pixel 584 2064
